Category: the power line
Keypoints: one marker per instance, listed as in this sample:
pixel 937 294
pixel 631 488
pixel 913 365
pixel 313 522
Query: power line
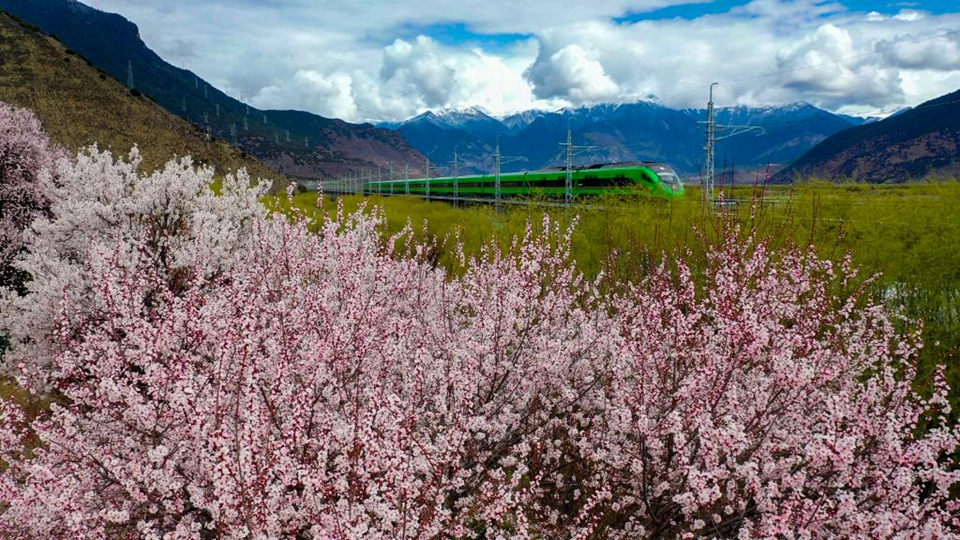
pixel 712 128
pixel 921 106
pixel 500 160
pixel 928 105
pixel 711 140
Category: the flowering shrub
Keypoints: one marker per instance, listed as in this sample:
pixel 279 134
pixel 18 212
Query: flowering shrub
pixel 261 381
pixel 170 220
pixel 299 395
pixel 768 406
pixel 25 153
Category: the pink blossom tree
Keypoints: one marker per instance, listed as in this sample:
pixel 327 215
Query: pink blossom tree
pixel 25 152
pixel 321 389
pixel 95 203
pixel 275 383
pixel 774 402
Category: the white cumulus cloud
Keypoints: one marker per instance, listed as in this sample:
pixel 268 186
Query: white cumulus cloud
pixel 379 60
pixel 418 70
pixel 571 73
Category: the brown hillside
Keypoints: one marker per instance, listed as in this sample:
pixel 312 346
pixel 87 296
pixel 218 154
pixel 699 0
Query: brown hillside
pixel 80 105
pixel 295 143
pixel 923 142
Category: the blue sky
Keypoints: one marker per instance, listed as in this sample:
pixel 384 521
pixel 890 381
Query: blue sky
pixel 389 60
pixel 459 34
pixel 695 10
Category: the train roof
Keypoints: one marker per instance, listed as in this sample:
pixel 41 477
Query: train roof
pixel 657 166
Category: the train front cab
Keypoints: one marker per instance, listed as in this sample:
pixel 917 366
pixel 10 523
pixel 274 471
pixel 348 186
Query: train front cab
pixel 668 177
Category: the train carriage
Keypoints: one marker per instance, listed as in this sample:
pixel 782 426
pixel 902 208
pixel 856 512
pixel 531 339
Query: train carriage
pixel 652 178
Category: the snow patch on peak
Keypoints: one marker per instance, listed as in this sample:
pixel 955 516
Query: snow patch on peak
pixel 473 110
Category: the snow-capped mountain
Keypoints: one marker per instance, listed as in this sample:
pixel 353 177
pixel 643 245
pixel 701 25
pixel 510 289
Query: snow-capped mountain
pixel 642 130
pixel 517 121
pixel 909 144
pixel 470 119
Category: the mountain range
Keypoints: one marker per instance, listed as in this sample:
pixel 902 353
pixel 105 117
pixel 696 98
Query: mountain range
pixel 643 130
pixel 297 143
pixel 805 139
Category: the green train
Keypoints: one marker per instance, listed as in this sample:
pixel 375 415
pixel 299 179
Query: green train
pixel 632 177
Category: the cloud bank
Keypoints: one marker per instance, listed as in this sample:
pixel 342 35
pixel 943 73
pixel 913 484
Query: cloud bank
pixel 377 60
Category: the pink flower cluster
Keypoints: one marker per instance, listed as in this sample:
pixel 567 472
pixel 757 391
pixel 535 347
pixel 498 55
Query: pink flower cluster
pixel 25 153
pixel 333 385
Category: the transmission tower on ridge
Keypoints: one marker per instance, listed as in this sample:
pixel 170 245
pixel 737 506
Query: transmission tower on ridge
pixel 130 83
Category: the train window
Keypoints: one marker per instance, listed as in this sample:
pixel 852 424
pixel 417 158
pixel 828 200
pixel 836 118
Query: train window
pixel 668 178
pixel 593 182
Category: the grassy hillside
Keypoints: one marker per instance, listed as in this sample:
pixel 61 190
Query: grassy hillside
pixel 80 105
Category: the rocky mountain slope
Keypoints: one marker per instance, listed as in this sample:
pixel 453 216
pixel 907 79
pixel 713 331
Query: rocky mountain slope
pixel 921 142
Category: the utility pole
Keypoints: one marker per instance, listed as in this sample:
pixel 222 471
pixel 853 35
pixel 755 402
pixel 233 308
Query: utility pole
pixel 427 178
pixel 571 152
pixel 711 141
pixel 406 178
pixel 456 178
pixel 496 184
pixel 712 138
pixel 568 183
pixel 218 110
pixel 500 160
